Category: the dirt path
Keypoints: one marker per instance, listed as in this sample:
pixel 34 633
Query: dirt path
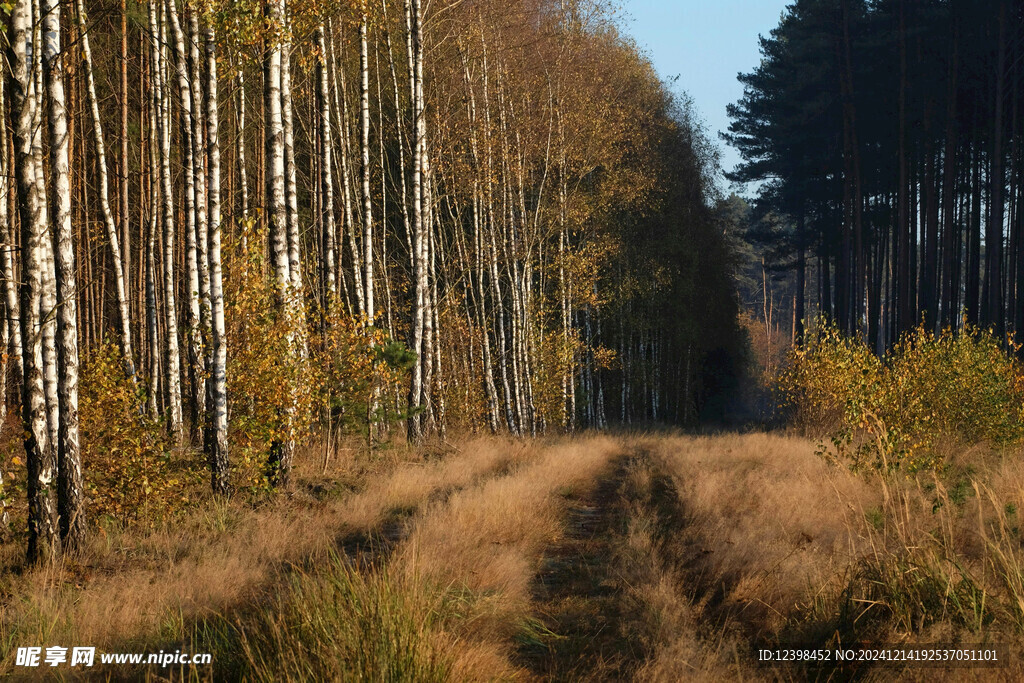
pixel 578 596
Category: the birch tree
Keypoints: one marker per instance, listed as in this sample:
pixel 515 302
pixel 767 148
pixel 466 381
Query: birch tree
pixel 329 228
pixel 364 126
pixel 280 462
pixel 195 212
pixel 217 401
pixel 490 206
pixel 69 463
pixel 172 359
pixel 43 533
pixel 418 238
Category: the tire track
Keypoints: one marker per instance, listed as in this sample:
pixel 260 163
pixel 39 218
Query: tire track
pixel 578 597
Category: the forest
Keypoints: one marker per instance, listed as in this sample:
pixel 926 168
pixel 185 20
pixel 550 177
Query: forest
pixel 394 340
pixel 886 140
pixel 231 227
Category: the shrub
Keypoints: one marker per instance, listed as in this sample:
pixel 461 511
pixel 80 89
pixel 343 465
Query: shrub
pixel 893 412
pixel 130 472
pixel 361 366
pixel 273 383
pixel 284 377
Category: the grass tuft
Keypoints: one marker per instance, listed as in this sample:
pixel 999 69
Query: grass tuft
pixel 335 624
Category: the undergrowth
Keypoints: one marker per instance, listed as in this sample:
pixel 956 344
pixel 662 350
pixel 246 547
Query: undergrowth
pixel 930 395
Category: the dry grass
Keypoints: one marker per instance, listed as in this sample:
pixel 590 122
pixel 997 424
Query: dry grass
pixel 335 623
pixel 714 545
pixel 131 588
pixel 484 543
pixel 451 598
pixel 765 518
pixel 776 546
pixel 659 613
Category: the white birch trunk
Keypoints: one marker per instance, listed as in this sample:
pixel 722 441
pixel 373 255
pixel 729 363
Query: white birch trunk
pixel 419 238
pixel 193 210
pixel 69 464
pixel 243 176
pixel 172 357
pixel 12 323
pixel 327 178
pixel 346 185
pixel 48 298
pixel 152 323
pixel 478 259
pixel 276 209
pixel 43 534
pixel 10 299
pixel 280 462
pixel 291 187
pixel 202 216
pixel 364 125
pixel 217 397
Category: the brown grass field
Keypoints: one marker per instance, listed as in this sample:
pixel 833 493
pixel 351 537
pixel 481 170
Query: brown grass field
pixel 648 557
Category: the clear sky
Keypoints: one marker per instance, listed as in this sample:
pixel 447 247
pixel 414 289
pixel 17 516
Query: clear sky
pixel 705 43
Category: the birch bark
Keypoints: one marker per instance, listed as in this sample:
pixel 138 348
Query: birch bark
pixel 172 358
pixel 195 211
pixel 364 125
pixel 280 461
pixel 217 398
pixel 327 178
pixel 69 463
pixel 43 534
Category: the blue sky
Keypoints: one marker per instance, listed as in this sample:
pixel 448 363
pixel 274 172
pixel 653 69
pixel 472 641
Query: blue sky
pixel 705 43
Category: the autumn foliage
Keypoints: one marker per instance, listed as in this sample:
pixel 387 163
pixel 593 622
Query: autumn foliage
pixel 341 375
pixel 906 409
pixel 132 474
